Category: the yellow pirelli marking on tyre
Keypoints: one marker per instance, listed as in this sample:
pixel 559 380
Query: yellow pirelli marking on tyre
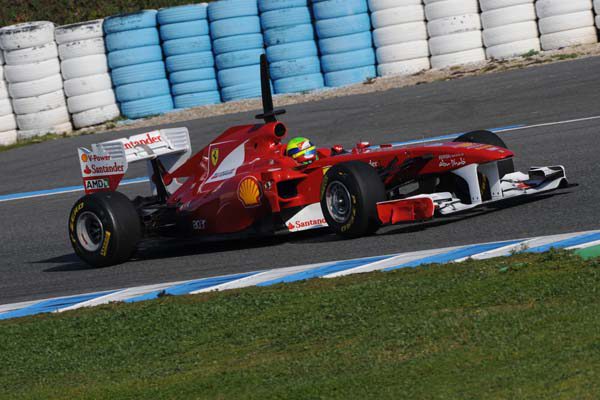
pixel 104 250
pixel 74 216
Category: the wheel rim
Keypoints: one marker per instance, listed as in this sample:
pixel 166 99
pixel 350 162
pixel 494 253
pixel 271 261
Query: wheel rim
pixel 90 231
pixel 338 202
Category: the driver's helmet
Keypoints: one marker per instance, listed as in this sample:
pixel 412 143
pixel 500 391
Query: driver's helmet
pixel 302 150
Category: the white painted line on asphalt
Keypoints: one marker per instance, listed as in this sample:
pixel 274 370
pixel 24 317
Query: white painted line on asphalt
pixel 570 121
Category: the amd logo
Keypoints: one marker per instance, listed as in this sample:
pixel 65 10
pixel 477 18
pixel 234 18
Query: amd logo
pixel 97 184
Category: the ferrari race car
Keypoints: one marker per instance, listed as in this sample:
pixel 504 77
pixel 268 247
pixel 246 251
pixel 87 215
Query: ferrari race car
pixel 243 183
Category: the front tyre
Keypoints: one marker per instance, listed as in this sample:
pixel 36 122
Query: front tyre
pixel 349 196
pixel 104 228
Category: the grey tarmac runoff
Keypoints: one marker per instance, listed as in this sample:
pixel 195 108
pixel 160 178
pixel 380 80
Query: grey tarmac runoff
pixel 36 259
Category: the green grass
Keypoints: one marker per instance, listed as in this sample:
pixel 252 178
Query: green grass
pixel 70 11
pixel 524 327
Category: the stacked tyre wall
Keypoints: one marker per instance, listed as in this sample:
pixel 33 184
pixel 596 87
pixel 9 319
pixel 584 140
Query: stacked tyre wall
pixel 189 58
pixel 87 84
pixel 509 27
pixel 455 32
pixel 205 54
pixel 566 23
pixel 237 45
pixel 291 47
pixel 138 69
pixel 400 36
pixel 345 42
pixel 8 123
pixel 35 85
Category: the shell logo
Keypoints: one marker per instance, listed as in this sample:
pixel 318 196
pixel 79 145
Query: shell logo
pixel 249 192
pixel 84 157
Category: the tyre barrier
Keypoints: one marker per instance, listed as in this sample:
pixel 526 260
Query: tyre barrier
pixel 509 28
pixel 400 37
pixel 136 62
pixel 343 28
pixel 565 23
pixel 187 48
pixel 8 123
pixel 90 96
pixel 454 28
pixel 35 86
pixel 237 45
pixel 291 49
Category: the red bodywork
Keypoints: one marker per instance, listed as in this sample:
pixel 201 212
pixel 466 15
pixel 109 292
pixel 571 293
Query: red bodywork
pixel 263 183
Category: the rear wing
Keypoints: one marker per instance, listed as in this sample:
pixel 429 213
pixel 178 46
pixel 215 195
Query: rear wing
pixel 104 166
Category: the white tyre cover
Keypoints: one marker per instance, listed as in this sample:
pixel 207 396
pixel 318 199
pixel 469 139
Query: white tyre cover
pixel 45 102
pixel 7 138
pixel 378 5
pixel 573 37
pixel 79 31
pixel 513 49
pixel 408 67
pixel 84 66
pixel 507 16
pixel 87 84
pixel 456 24
pixel 31 54
pixel 28 34
pixel 35 88
pixel 450 8
pixel 402 33
pixel 3 89
pixel 5 107
pixel 398 15
pixel 597 6
pixel 65 127
pixel 455 43
pixel 89 101
pixel 31 72
pixel 81 48
pixel 510 33
pixel 44 119
pixel 598 21
pixel 8 123
pixel 402 52
pixel 566 22
pixel 550 8
pixel 1 57
pixel 487 5
pixel 453 59
pixel 96 116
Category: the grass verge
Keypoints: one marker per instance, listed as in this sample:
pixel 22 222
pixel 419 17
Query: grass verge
pixel 520 327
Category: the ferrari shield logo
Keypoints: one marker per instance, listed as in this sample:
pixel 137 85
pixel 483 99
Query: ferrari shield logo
pixel 214 156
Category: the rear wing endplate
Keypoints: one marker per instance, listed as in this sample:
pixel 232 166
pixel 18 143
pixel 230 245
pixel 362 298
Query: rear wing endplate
pixel 104 166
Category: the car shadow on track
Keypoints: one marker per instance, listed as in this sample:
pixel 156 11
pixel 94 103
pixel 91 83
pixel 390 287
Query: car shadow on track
pixel 158 249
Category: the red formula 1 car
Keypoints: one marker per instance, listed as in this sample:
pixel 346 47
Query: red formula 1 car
pixel 243 183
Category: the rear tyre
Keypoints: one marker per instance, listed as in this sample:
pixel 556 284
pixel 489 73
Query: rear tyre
pixel 104 228
pixel 349 196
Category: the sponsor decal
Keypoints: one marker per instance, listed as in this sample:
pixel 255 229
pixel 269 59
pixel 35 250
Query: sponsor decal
pixel 199 224
pixel 84 157
pixel 249 192
pixel 453 162
pixel 73 216
pixel 148 139
pixel 214 156
pixel 97 184
pixel 104 249
pixel 93 169
pixel 374 164
pixel 306 224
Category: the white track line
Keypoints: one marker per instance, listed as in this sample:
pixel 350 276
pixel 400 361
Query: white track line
pixel 570 121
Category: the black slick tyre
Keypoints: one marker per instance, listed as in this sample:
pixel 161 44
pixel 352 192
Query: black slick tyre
pixel 104 228
pixel 349 196
pixel 487 137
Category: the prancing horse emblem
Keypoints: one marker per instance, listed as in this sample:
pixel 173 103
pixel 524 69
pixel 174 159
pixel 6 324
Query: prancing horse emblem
pixel 214 156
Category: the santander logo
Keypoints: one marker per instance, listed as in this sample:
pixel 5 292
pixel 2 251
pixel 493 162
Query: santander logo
pixel 306 224
pixel 148 139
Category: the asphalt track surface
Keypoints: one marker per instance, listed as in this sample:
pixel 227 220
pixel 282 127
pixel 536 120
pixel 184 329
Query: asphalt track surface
pixel 36 260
